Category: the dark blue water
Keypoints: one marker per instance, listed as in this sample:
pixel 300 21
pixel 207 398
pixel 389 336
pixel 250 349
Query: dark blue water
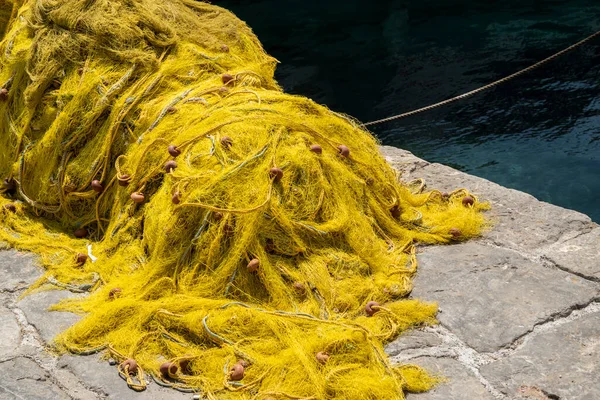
pixel 539 133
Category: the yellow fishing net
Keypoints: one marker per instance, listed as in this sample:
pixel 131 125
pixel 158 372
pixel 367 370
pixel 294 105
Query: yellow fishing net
pixel 243 243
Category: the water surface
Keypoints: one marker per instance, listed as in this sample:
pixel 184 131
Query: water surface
pixel 539 133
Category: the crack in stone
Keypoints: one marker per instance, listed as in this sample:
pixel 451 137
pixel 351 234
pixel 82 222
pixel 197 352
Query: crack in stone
pixel 433 352
pixel 551 396
pixel 13 290
pixel 574 312
pixel 583 232
pixel 50 367
pixel 586 227
pixel 11 392
pixel 548 261
pixel 49 377
pixel 491 243
pixel 539 258
pixel 4 360
pixel 39 379
pixel 533 392
pixel 30 336
pixel 98 391
pixel 453 347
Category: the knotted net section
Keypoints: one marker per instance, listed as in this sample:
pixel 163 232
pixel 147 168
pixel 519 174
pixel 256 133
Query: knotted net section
pixel 234 240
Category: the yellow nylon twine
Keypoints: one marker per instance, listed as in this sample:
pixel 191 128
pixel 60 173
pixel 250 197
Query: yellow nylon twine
pixel 235 241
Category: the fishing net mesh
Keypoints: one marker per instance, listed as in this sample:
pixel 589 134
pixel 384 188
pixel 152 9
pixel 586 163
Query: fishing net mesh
pixel 218 224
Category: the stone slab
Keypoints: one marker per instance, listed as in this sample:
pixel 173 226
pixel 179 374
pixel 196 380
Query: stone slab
pixel 10 333
pixel 564 362
pixel 460 382
pixel 580 255
pixel 489 296
pixel 413 339
pixel 17 270
pixel 23 379
pixel 72 385
pixel 520 221
pixel 101 377
pixel 48 324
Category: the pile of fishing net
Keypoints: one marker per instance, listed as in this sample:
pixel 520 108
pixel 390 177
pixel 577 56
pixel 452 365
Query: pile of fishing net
pixel 234 240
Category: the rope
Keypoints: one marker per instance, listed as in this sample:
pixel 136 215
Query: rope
pixel 481 89
pixel 83 288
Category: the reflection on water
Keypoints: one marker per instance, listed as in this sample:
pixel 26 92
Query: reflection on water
pixel 539 133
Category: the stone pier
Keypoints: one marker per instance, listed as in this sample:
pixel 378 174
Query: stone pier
pixel 519 310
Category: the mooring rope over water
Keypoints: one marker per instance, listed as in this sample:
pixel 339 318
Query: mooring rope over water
pixel 481 89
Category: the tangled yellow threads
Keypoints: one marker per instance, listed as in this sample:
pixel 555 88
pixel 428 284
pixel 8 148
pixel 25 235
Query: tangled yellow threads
pixel 236 232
